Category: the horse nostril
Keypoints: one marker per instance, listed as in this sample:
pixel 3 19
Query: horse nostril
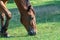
pixel 31 33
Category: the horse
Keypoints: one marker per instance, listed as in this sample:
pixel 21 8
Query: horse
pixel 27 16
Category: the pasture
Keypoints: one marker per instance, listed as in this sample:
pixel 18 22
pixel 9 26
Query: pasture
pixel 47 18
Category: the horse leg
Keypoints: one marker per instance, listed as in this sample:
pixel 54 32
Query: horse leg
pixel 5 1
pixel 2 14
pixel 27 16
pixel 8 17
pixel 2 19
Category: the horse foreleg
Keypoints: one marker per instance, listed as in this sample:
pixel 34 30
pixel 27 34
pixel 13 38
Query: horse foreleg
pixel 5 1
pixel 2 19
pixel 2 14
pixel 8 16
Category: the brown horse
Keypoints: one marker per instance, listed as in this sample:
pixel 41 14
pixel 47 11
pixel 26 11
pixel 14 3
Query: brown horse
pixel 27 16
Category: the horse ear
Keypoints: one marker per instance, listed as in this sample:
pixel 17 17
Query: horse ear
pixel 29 7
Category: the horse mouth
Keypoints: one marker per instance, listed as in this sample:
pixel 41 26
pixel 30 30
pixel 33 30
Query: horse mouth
pixel 32 33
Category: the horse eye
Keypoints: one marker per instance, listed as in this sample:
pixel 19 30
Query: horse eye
pixel 29 7
pixel 30 17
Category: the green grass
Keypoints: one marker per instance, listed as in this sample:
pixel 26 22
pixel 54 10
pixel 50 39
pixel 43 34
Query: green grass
pixel 45 31
pixel 48 22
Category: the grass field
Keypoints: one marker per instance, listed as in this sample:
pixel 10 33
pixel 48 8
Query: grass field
pixel 47 17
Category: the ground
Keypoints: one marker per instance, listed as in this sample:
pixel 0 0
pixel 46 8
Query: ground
pixel 48 24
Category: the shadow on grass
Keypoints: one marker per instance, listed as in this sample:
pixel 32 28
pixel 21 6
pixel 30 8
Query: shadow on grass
pixel 47 13
pixel 15 36
pixel 15 21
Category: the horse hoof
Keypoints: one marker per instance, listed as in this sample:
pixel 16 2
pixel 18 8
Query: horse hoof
pixel 5 35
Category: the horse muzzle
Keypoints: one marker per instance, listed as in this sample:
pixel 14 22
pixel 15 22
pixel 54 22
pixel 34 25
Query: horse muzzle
pixel 32 33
